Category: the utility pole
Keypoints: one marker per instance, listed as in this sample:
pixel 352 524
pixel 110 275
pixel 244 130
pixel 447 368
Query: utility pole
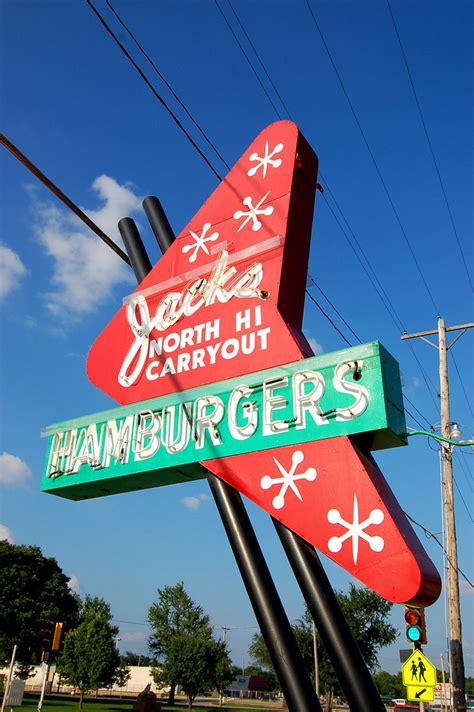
pixel 456 660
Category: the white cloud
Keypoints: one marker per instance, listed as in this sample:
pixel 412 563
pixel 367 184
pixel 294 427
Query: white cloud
pixel 13 471
pixel 195 502
pixel 5 533
pixel 415 382
pixel 73 584
pixel 12 270
pixel 85 270
pixel 316 346
pixel 133 637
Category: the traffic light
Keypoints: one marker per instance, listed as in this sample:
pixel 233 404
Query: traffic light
pixel 50 640
pixel 56 642
pixel 415 625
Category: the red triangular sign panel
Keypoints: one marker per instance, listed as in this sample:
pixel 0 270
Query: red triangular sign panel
pixel 227 297
pixel 336 498
pixel 227 300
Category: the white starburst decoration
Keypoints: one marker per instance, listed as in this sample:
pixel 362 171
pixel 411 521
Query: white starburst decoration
pixel 356 530
pixel 288 479
pixel 199 242
pixel 266 160
pixel 253 212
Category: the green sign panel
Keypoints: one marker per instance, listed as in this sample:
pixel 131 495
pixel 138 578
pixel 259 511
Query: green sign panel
pixel 161 441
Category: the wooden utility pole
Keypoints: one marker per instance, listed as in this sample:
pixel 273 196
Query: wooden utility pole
pixel 456 660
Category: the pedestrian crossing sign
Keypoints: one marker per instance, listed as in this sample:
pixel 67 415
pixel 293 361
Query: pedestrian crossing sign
pixel 419 672
pixel 420 693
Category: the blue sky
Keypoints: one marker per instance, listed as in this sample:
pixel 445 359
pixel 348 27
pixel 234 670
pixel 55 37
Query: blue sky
pixel 77 108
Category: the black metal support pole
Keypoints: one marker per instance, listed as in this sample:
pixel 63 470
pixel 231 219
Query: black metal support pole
pixel 350 668
pixel 269 612
pixel 135 248
pixel 271 617
pixel 159 222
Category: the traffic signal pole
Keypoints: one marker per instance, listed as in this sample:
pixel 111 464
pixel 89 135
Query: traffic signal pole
pixel 456 658
pixel 271 617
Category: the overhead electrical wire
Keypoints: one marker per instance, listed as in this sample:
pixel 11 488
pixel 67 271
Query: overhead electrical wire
pixel 430 535
pixel 372 156
pixel 318 306
pixel 122 22
pixel 247 58
pixel 336 310
pixel 430 145
pixel 168 85
pixel 20 156
pixel 242 27
pixel 462 499
pixel 468 475
pixel 462 384
pixel 380 289
pixel 152 88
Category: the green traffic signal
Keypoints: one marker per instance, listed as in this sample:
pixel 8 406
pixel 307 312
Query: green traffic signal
pixel 416 628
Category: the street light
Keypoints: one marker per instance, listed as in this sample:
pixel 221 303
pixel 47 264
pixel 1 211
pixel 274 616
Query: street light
pixel 455 431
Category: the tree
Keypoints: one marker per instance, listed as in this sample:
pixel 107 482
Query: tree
pixel 121 676
pixel 129 658
pixel 367 615
pixel 199 665
pixel 34 594
pixel 24 672
pixel 175 614
pixel 390 685
pixel 90 657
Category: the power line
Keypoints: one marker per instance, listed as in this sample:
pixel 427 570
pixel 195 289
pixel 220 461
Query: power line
pixel 165 81
pixel 318 306
pixel 62 196
pixel 425 129
pixel 430 535
pixel 242 27
pixel 104 23
pixel 380 290
pixel 117 620
pixel 247 58
pixel 462 499
pixel 372 156
pixel 462 384
pixel 150 85
pixel 467 474
pixel 336 310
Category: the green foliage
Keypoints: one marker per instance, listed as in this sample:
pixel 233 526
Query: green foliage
pixel 129 658
pixel 199 665
pixel 121 675
pixel 34 594
pixel 390 685
pixel 174 614
pixel 90 657
pixel 469 685
pixel 24 672
pixel 367 614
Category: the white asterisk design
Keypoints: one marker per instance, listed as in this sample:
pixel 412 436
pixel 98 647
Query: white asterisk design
pixel 356 530
pixel 253 212
pixel 287 480
pixel 200 242
pixel 266 160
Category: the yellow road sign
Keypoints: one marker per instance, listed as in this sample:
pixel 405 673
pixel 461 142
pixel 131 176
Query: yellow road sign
pixel 420 693
pixel 418 671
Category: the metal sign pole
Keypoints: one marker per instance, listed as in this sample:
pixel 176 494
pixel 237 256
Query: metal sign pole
pixel 9 678
pixel 275 627
pixel 350 668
